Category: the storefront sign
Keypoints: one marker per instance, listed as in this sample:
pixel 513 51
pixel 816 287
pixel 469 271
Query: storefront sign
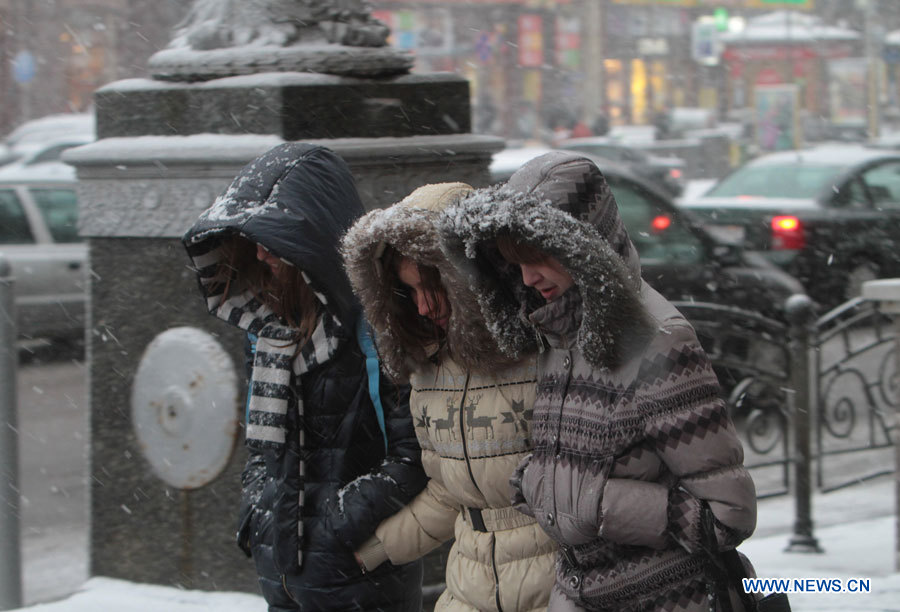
pixel 776 115
pixel 848 90
pixel 780 4
pixel 531 41
pixel 530 3
pixel 568 42
pixel 652 46
pixel 784 52
pixel 758 4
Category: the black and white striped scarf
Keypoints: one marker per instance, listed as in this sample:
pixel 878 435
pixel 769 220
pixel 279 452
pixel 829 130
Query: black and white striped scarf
pixel 276 365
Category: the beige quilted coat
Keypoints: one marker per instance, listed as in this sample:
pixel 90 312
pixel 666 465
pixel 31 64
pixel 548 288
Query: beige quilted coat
pixel 473 424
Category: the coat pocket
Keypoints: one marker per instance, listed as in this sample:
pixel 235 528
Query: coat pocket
pixel 579 507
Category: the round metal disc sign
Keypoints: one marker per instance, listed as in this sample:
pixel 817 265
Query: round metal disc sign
pixel 184 407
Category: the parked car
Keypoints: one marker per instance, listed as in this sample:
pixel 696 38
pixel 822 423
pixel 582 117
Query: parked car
pixel 830 215
pixel 39 238
pixel 666 171
pixel 679 258
pixel 32 136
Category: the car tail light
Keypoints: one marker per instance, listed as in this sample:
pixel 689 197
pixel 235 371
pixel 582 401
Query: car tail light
pixel 787 233
pixel 675 173
pixel 660 223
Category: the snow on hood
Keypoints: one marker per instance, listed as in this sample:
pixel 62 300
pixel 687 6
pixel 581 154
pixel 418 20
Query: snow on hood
pixel 410 227
pixel 296 200
pixel 578 225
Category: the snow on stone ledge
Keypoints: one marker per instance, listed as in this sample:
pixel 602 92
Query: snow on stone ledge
pixel 205 148
pixel 265 79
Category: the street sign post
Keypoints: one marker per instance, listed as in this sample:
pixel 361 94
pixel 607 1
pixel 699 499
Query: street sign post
pixel 24 67
pixel 706 46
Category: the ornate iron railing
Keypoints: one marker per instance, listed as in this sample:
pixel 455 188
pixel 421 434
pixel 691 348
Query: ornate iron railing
pixel 814 400
pixel 857 394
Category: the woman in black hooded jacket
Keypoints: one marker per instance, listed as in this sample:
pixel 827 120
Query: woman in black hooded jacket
pixel 325 464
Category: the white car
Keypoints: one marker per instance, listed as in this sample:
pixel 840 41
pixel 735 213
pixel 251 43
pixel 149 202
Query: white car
pixel 39 238
pixel 31 139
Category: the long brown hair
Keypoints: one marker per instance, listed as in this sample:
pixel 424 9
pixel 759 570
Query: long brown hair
pixel 286 293
pixel 410 328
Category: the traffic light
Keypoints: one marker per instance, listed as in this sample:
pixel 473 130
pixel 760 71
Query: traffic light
pixel 720 17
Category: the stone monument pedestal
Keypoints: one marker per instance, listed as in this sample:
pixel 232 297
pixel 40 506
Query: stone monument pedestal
pixel 164 152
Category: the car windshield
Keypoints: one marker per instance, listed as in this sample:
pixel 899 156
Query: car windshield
pixel 771 181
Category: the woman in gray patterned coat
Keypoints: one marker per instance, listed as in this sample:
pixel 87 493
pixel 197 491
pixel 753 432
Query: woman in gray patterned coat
pixel 636 471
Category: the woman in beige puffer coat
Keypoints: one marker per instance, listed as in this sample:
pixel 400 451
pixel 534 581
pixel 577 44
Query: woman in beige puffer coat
pixel 471 407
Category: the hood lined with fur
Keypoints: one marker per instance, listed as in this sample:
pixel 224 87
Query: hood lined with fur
pixel 560 204
pixel 409 227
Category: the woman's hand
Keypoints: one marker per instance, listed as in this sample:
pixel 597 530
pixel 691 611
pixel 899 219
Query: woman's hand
pixel 359 562
pixel 519 501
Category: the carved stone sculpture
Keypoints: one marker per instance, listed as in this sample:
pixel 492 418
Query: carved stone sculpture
pixel 231 37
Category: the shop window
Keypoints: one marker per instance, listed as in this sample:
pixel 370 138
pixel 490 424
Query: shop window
pixel 638 91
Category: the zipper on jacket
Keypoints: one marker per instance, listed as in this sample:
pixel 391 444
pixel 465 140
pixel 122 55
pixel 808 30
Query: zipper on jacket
pixel 462 432
pixel 496 575
pixel 569 366
pixel 287 591
pixel 549 497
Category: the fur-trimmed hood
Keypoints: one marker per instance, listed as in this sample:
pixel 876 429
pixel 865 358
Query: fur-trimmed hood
pixel 409 227
pixel 560 204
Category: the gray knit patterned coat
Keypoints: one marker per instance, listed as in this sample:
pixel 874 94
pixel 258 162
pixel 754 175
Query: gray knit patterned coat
pixel 631 440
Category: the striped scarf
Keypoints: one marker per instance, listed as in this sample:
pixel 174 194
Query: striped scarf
pixel 276 364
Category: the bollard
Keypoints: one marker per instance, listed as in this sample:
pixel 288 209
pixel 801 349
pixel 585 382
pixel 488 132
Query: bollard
pixel 887 293
pixel 801 314
pixel 10 558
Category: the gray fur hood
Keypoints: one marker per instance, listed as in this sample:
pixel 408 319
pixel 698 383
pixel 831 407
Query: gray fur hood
pixel 561 204
pixel 409 226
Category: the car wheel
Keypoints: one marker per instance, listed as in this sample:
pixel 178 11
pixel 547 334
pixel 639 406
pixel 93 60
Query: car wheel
pixel 860 271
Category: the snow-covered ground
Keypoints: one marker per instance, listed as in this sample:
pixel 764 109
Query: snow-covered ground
pixel 856 527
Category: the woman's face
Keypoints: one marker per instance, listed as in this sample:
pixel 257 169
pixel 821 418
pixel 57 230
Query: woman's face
pixel 267 258
pixel 430 304
pixel 548 277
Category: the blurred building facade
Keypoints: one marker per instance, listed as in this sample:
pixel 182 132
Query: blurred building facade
pixel 536 64
pixel 55 53
pixel 533 64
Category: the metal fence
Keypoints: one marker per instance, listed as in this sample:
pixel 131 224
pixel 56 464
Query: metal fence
pixel 856 394
pixel 815 399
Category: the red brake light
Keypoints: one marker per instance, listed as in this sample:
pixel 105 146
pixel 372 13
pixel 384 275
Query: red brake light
pixel 787 233
pixel 675 173
pixel 660 223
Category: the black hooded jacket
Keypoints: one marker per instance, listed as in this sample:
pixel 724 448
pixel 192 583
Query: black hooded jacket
pixel 297 200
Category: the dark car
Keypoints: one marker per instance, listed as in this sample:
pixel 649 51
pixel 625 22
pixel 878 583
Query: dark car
pixel 679 258
pixel 830 215
pixel 665 171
